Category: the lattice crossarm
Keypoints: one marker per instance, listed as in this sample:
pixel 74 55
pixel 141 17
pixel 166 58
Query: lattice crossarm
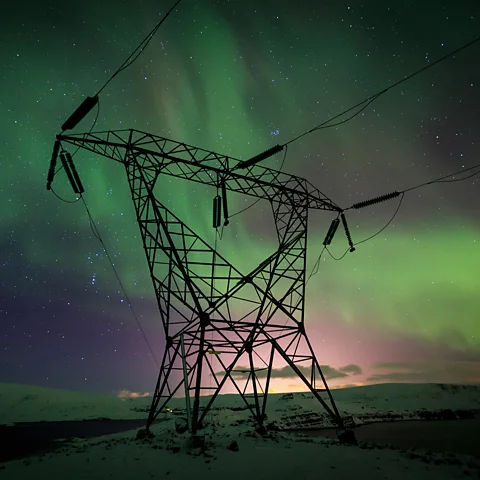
pixel 192 163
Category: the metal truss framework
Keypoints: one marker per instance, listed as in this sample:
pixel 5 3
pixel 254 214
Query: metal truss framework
pixel 201 296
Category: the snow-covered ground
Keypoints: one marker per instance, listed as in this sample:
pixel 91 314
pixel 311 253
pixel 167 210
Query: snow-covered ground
pixel 283 455
pixel 391 401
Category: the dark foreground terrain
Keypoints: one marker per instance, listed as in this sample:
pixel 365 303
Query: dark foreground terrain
pixel 459 436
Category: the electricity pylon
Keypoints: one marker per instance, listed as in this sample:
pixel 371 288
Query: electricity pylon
pixel 202 298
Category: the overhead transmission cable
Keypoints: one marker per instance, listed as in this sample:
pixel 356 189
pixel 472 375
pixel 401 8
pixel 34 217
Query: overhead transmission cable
pixel 327 123
pixel 79 114
pixel 374 97
pixel 86 106
pixel 441 179
pixel 62 199
pixel 389 196
pixel 138 51
pixel 367 102
pixel 96 233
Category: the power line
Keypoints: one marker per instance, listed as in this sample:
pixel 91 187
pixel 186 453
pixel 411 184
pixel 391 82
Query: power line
pixel 316 265
pixel 138 51
pixel 327 124
pixel 441 179
pixel 89 102
pixel 431 182
pixel 340 258
pixel 62 199
pixel 367 102
pixel 372 98
pixel 96 233
pixel 402 193
pixel 323 125
pixel 458 179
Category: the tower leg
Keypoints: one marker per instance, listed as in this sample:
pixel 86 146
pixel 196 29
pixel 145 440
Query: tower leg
pixel 347 437
pixel 166 387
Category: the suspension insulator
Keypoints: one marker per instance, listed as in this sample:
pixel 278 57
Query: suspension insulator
pixel 217 211
pixel 331 231
pixel 53 163
pixel 373 201
pixel 347 233
pixel 74 173
pixel 261 156
pixel 80 113
pixel 68 172
pixel 225 206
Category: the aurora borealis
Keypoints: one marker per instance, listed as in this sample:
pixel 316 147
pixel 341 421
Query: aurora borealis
pixel 237 77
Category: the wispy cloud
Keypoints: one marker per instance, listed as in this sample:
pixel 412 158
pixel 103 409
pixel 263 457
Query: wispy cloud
pixel 128 394
pixel 329 372
pixel 440 371
pixel 351 369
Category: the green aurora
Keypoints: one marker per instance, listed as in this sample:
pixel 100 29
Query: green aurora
pixel 237 79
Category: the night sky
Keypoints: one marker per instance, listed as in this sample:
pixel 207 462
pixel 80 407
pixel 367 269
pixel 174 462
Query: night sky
pixel 238 77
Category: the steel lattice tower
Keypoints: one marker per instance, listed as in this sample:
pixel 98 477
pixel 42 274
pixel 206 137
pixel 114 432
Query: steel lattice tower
pixel 201 296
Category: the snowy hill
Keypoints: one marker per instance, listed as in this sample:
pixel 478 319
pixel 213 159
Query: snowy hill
pixel 230 445
pixel 25 403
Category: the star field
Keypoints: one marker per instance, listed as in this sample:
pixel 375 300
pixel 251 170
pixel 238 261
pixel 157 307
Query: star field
pixel 237 78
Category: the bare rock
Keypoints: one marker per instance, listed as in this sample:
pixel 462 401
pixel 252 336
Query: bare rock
pixel 144 434
pixel 233 446
pixel 181 425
